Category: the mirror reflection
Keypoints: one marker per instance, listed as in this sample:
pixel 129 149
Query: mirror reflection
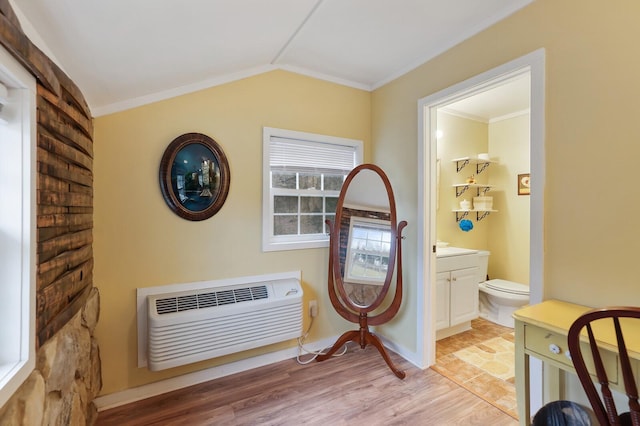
pixel 195 177
pixel 367 258
pixel 368 252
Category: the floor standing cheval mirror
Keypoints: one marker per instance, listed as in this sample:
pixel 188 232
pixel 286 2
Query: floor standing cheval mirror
pixel 363 253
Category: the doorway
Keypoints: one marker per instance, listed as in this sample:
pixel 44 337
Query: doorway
pixel 533 66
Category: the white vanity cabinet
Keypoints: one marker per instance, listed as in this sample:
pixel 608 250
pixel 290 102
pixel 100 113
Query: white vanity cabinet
pixel 456 291
pixel 442 299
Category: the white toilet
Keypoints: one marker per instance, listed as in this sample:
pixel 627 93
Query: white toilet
pixel 499 299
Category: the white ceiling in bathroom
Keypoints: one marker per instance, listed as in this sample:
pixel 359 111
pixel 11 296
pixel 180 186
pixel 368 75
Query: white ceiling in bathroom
pixel 510 98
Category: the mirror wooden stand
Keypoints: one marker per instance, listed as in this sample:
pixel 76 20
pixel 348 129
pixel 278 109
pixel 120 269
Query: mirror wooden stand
pixel 364 250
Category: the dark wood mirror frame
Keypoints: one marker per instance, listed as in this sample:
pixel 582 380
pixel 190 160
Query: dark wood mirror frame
pixel 216 192
pixel 343 305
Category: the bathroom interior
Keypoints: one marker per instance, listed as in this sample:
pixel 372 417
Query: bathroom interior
pixel 482 230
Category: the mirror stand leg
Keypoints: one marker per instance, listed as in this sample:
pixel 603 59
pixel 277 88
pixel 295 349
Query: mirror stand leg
pixel 349 336
pixel 375 341
pixel 363 337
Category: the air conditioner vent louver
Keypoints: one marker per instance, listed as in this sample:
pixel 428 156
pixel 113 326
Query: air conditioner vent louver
pixel 212 322
pixel 206 300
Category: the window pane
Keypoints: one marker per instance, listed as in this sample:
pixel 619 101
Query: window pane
pixel 310 181
pixel 311 204
pixel 330 204
pixel 333 182
pixel 311 224
pixel 375 267
pixel 386 247
pixel 285 204
pixel 375 235
pixel 373 245
pixel 283 180
pixel 285 225
pixel 358 233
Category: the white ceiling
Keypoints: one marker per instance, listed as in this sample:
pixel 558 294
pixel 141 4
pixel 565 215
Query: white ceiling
pixel 124 53
pixel 506 99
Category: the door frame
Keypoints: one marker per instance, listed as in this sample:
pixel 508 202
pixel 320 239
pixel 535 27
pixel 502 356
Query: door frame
pixel 534 64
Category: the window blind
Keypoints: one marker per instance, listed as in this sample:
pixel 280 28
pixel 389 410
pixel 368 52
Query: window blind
pixel 309 156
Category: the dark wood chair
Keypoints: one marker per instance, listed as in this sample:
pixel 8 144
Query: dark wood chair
pixel 602 403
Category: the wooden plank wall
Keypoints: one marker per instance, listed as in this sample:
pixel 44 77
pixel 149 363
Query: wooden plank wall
pixel 64 184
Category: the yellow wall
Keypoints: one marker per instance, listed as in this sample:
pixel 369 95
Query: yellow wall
pixel 591 140
pixel 508 229
pixel 461 137
pixel 139 242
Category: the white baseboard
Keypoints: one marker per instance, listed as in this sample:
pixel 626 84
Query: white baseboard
pixel 405 353
pixel 127 396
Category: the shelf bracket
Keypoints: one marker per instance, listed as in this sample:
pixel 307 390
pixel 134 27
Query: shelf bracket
pixel 484 190
pixel 461 215
pixel 460 164
pixel 481 215
pixel 461 190
pixel 480 167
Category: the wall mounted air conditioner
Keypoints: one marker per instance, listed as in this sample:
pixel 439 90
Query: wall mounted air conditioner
pixel 198 324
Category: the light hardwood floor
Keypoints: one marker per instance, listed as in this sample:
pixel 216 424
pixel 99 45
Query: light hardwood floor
pixel 355 389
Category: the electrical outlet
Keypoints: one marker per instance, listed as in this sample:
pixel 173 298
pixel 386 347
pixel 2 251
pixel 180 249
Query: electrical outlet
pixel 313 308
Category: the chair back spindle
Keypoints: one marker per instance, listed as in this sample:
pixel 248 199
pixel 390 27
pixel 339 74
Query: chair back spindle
pixel 604 406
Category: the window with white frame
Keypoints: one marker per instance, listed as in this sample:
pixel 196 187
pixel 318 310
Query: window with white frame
pixel 302 177
pixel 17 224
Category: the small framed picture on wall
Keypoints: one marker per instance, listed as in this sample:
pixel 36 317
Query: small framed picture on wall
pixel 524 184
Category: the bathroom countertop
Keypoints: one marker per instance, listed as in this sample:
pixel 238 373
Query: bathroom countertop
pixel 453 251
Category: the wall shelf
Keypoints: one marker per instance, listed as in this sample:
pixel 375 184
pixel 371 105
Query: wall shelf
pixel 480 214
pixel 481 189
pixel 461 188
pixel 480 163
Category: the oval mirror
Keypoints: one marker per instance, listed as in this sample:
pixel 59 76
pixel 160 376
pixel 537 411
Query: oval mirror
pixel 364 242
pixel 366 230
pixel 194 176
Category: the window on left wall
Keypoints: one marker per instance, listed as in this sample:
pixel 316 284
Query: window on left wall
pixel 17 224
pixel 302 177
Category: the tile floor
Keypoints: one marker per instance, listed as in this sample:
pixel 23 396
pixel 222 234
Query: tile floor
pixel 500 393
